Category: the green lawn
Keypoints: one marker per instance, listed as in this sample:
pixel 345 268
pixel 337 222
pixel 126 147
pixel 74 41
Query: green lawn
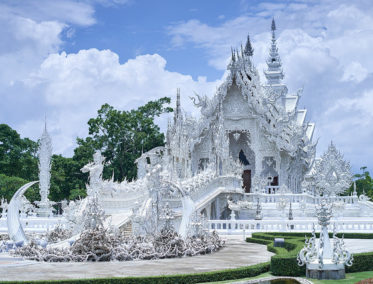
pixel 351 278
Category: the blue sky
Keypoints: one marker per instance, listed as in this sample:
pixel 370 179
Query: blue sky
pixel 141 27
pixel 66 58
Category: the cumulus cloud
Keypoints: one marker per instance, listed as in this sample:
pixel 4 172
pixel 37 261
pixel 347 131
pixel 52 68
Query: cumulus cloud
pixel 75 86
pixel 354 72
pixel 353 118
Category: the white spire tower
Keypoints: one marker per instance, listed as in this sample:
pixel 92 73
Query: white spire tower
pixel 44 155
pixel 274 73
pixel 178 107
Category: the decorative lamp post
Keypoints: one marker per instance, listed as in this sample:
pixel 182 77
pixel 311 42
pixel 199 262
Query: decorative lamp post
pixel 322 260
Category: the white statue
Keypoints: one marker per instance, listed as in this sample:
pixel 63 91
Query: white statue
pixel 95 170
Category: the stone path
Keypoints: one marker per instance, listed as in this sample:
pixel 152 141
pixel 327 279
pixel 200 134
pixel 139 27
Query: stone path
pixel 237 253
pixel 359 245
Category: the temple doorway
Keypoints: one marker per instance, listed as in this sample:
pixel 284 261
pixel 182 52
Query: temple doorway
pixel 246 178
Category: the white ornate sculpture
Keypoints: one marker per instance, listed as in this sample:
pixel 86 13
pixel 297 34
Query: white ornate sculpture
pixel 323 261
pixel 95 170
pixel 44 154
pixel 332 173
pixel 15 229
pixel 4 207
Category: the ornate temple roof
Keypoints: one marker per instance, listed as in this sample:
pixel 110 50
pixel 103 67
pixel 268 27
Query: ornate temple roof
pixel 270 104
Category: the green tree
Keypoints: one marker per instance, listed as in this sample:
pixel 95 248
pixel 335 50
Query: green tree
pixel 9 185
pixel 122 136
pixel 17 156
pixel 65 178
pixel 364 183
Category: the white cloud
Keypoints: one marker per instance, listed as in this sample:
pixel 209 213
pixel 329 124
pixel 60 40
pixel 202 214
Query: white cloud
pixel 351 120
pixel 354 72
pixel 76 85
pixel 65 11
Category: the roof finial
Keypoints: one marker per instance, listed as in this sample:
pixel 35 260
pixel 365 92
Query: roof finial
pixel 273 26
pixel 249 51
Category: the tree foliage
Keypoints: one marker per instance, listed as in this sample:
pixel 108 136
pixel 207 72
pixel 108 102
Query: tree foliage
pixel 9 186
pixel 122 136
pixel 364 183
pixel 17 155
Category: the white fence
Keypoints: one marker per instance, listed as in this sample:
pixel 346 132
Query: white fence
pixel 250 226
pixel 34 224
pixel 271 195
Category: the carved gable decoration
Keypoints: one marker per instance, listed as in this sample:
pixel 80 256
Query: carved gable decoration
pixel 269 167
pixel 234 104
pixel 332 174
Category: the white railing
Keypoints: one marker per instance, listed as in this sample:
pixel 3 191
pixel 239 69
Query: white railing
pixel 249 226
pixel 297 197
pixel 35 224
pixel 271 189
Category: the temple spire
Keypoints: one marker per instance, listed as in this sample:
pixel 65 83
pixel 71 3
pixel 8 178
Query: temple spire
pixel 45 159
pixel 249 51
pixel 274 72
pixel 178 107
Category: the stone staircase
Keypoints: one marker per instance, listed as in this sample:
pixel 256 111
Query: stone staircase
pixel 126 229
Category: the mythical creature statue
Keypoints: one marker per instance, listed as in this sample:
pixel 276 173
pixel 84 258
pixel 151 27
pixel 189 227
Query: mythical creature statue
pixel 95 170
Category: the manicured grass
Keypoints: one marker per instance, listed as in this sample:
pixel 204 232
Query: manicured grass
pixel 285 263
pixel 350 278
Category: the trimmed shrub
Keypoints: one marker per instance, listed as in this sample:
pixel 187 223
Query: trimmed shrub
pixel 285 263
pixel 362 262
pixel 228 274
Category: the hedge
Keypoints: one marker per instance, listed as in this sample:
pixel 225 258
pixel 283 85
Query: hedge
pixel 285 263
pixel 228 274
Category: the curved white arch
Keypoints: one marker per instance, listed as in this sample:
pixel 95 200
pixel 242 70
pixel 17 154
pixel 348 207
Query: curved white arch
pixel 15 229
pixel 188 209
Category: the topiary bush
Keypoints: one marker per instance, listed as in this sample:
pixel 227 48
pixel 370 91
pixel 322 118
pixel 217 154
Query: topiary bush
pixel 285 263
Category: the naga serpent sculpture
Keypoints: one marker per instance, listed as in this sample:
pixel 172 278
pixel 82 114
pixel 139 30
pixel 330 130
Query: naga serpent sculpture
pixel 15 229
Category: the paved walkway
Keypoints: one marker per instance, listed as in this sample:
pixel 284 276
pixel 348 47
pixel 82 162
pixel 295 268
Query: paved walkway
pixel 237 253
pixel 359 245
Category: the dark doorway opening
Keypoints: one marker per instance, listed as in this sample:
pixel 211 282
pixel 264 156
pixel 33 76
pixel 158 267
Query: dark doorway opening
pixel 275 181
pixel 246 177
pixel 243 158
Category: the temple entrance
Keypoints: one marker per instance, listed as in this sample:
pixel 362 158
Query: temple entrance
pixel 274 181
pixel 246 177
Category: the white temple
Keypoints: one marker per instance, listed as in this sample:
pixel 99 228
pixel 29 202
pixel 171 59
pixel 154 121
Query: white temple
pixel 247 164
pixel 249 157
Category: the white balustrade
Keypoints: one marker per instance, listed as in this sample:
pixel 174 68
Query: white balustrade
pixel 35 224
pixel 249 226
